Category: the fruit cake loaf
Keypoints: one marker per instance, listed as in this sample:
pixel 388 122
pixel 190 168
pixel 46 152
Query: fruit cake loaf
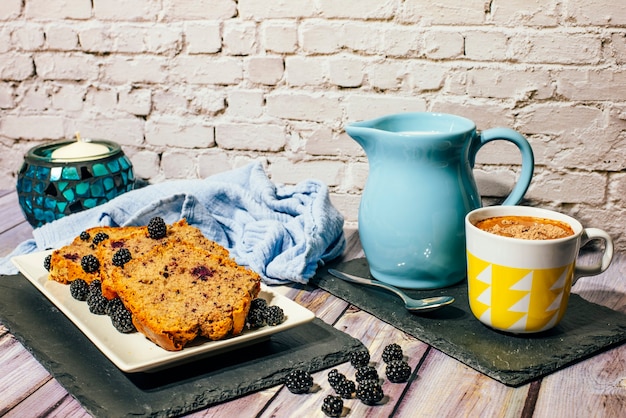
pixel 179 291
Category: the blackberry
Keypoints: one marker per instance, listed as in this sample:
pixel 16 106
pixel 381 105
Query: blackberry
pixel 258 303
pixel 370 392
pixel 97 303
pixel 89 263
pixel 114 305
pixel 332 406
pixel 95 287
pixel 334 378
pixel 398 371
pixel 46 262
pixel 365 373
pixel 79 289
pixel 256 318
pixel 299 381
pixel 359 358
pixel 392 352
pixel 121 257
pixel 157 228
pixel 84 236
pixel 345 388
pixel 274 315
pixel 98 238
pixel 122 320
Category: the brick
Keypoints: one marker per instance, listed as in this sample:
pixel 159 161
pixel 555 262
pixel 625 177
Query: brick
pixel 592 84
pixel 356 177
pixel 16 67
pixel 346 71
pixel 37 97
pixel 250 137
pixel 28 38
pixel 486 45
pixel 289 172
pixel 443 12
pixel 199 9
pixel 65 9
pixel 239 37
pixel 279 37
pixel 121 10
pixel 136 101
pixel 60 37
pixel 265 70
pixel 363 37
pixel 348 205
pixel 146 164
pixel 320 37
pixel 171 100
pixel 178 165
pixel 569 187
pixel 402 42
pixel 321 140
pixel 306 71
pixel 501 152
pixel 496 183
pixel 6 44
pixel 389 74
pixel 35 127
pixel 525 12
pixel 245 104
pixel 203 70
pixel 562 119
pixel 124 130
pixel 595 12
pixel 443 44
pixel 484 114
pixel 615 50
pixel 60 66
pixel 556 48
pixel 368 106
pixel 504 83
pixel 10 9
pixel 357 9
pixel 96 38
pixel 101 98
pixel 203 37
pixel 179 132
pixel 69 97
pixel 7 96
pixel 212 162
pixel 276 9
pixel 135 69
pixel 301 106
pixel 426 75
pixel 206 101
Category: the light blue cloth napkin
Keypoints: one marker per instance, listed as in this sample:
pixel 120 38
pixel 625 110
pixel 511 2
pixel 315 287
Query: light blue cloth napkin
pixel 281 232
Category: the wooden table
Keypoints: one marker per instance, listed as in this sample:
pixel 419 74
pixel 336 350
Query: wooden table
pixel 444 387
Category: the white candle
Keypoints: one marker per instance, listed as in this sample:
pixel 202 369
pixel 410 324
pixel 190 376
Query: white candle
pixel 79 151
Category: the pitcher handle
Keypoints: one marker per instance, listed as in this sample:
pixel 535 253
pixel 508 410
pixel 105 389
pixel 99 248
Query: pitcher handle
pixel 528 159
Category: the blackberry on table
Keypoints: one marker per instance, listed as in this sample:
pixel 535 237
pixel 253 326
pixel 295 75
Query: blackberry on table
pixel 365 373
pixel 121 257
pixel 99 237
pixel 97 303
pixel 299 381
pixel 84 236
pixel 345 388
pixel 157 228
pixel 392 352
pixel 46 262
pixel 334 378
pixel 90 263
pixel 122 320
pixel 274 315
pixel 332 406
pixel 359 358
pixel 398 371
pixel 370 392
pixel 79 289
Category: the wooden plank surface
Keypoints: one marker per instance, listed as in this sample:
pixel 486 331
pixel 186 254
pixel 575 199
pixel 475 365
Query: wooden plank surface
pixel 439 387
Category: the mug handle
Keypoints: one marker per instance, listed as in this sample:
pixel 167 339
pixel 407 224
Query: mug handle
pixel 590 234
pixel 528 158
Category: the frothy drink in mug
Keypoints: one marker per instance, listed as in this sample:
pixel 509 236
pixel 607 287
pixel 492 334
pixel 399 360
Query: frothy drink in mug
pixel 526 227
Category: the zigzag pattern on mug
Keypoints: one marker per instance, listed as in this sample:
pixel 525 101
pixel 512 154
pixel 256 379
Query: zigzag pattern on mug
pixel 516 311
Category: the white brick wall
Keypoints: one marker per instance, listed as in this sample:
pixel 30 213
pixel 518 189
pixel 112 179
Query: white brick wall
pixel 195 87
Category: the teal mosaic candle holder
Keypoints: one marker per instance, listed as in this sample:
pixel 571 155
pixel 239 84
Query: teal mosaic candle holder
pixel 49 189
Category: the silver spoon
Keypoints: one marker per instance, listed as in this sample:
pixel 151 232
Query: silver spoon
pixel 413 305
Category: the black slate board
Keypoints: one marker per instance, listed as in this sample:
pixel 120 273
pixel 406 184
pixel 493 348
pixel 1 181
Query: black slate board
pixel 105 391
pixel 514 360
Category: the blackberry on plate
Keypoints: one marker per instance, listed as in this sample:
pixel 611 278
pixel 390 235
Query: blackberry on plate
pixel 121 257
pixel 256 318
pixel 84 236
pixel 334 377
pixel 274 315
pixel 258 303
pixel 89 263
pixel 157 228
pixel 114 305
pixel 79 289
pixel 359 358
pixel 332 406
pixel 345 388
pixel 398 371
pixel 299 381
pixel 99 237
pixel 365 373
pixel 95 287
pixel 46 262
pixel 392 352
pixel 122 320
pixel 370 392
pixel 97 303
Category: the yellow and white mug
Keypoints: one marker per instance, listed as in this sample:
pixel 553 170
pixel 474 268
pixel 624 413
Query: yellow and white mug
pixel 523 286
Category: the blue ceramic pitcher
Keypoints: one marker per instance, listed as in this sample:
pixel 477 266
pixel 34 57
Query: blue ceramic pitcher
pixel 419 188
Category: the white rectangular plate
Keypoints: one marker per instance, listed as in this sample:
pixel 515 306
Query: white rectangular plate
pixel 133 352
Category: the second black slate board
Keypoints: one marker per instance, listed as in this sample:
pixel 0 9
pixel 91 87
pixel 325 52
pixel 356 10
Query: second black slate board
pixel 514 360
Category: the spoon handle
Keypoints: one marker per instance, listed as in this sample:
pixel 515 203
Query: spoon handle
pixel 370 282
